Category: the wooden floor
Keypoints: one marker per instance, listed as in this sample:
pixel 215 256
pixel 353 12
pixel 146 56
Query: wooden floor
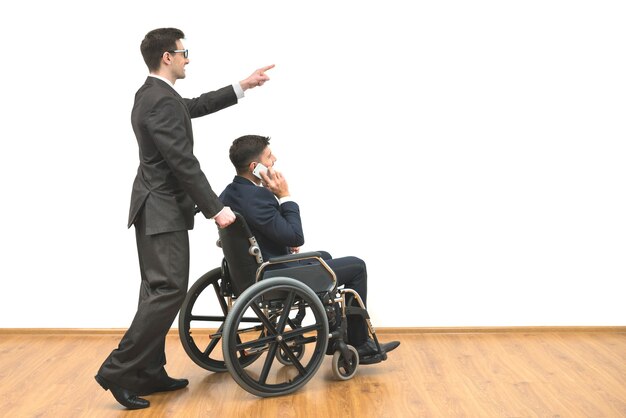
pixel 514 374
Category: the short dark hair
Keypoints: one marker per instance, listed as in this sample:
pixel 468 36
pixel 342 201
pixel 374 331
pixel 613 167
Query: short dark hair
pixel 156 42
pixel 246 149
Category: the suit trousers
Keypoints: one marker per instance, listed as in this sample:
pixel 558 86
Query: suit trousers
pixel 352 272
pixel 137 363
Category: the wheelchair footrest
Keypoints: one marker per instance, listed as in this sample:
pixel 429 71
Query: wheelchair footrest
pixel 373 359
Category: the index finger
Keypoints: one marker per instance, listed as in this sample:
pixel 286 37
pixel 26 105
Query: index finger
pixel 264 69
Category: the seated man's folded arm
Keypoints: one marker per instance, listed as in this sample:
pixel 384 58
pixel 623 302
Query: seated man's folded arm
pixel 282 226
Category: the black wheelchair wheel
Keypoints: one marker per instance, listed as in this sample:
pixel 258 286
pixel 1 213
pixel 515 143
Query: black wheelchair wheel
pixel 201 321
pixel 344 367
pixel 275 302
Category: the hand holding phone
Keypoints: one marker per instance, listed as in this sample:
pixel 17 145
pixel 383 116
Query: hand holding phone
pixel 276 182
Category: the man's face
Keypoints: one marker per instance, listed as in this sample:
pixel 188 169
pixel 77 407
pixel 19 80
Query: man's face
pixel 267 158
pixel 179 61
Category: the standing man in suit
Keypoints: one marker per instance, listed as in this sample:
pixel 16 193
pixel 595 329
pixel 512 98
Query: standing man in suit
pixel 169 183
pixel 274 220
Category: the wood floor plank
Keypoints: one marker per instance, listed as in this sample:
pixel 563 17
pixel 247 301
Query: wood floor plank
pixel 524 374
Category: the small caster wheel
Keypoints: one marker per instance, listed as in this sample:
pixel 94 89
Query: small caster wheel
pixel 345 368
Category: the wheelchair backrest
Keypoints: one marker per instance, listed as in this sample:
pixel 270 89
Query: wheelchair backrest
pixel 242 254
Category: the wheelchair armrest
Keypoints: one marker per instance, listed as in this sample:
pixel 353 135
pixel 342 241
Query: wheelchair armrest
pixel 294 257
pixel 306 273
pixel 317 276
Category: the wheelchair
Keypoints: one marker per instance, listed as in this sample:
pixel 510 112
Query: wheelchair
pixel 272 324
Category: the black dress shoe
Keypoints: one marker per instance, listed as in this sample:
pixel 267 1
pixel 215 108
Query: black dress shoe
pixel 167 385
pixel 125 397
pixel 390 346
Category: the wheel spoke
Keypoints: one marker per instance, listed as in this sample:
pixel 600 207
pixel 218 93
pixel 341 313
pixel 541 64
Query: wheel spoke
pixel 268 363
pixel 213 343
pixel 293 358
pixel 286 310
pixel 290 335
pixel 264 319
pixel 220 299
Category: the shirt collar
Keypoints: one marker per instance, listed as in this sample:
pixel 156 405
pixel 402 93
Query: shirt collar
pixel 164 79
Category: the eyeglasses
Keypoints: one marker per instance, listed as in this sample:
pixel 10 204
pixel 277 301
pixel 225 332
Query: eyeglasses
pixel 184 51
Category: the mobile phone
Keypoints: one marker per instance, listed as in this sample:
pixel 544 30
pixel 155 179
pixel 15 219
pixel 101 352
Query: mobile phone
pixel 258 169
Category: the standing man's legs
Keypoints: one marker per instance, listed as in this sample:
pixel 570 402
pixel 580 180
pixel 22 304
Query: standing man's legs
pixel 137 363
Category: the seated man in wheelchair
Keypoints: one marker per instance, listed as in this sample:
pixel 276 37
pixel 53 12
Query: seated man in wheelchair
pixel 261 195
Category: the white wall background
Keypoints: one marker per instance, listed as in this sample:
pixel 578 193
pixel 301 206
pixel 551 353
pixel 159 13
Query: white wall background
pixel 472 152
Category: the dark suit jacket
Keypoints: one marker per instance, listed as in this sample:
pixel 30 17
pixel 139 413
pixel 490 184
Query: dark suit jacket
pixel 169 179
pixel 276 227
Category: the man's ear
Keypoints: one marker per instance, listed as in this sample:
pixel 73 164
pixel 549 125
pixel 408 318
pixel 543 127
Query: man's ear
pixel 251 166
pixel 166 58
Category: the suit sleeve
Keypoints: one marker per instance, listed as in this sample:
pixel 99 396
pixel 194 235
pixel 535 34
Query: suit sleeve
pixel 166 125
pixel 211 102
